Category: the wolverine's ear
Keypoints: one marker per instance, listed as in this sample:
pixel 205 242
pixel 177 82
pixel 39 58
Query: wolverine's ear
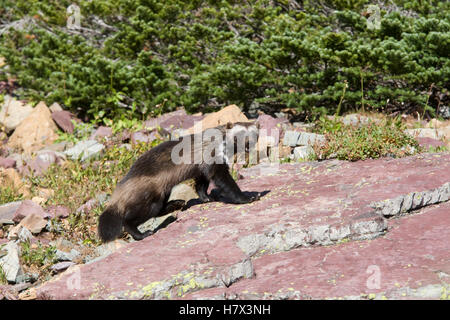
pixel 229 125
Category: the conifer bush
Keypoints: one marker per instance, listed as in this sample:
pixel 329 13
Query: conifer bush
pixel 150 56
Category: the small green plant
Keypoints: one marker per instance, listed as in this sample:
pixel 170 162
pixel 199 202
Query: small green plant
pixel 9 194
pixel 371 141
pixel 3 279
pixel 41 257
pixel 81 131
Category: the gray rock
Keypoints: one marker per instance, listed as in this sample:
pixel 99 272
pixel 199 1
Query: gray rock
pixel 156 223
pixel 183 192
pixel 66 256
pixel 85 150
pixel 126 146
pixel 65 250
pixel 290 138
pixel 425 133
pixel 10 263
pixel 25 235
pixel 281 115
pixel 444 112
pixel 355 119
pixel 303 125
pixel 61 266
pixel 308 139
pixel 303 152
pixel 25 279
pixel 143 136
pixel 412 201
pixel 55 107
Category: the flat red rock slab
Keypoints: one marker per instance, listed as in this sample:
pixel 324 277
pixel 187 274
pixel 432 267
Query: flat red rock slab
pixel 309 204
pixel 411 261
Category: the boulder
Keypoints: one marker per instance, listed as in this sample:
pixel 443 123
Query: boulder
pixel 34 132
pixel 332 214
pixel 13 112
pixel 231 113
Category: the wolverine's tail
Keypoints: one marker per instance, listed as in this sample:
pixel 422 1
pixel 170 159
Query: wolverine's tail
pixel 110 224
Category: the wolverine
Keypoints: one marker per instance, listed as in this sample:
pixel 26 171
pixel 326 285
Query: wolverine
pixel 204 157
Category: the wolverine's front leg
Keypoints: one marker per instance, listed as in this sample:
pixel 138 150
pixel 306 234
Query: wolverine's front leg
pixel 228 188
pixel 201 187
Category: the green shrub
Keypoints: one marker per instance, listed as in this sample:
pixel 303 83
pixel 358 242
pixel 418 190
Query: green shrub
pixel 374 140
pixel 157 55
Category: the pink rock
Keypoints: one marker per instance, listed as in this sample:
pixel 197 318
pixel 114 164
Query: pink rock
pixel 58 211
pixel 294 236
pixel 430 142
pixel 143 136
pixel 404 264
pixel 64 120
pixel 34 222
pixel 8 210
pixel 41 163
pixel 7 163
pixel 29 207
pixel 102 132
pixel 173 120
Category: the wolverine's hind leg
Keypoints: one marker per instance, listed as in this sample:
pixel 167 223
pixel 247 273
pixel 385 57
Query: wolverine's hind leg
pixel 138 215
pixel 172 206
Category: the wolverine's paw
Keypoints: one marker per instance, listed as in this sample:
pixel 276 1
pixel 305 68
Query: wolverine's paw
pixel 173 205
pixel 255 197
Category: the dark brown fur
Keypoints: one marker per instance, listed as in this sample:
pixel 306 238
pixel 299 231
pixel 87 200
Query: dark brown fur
pixel 144 192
